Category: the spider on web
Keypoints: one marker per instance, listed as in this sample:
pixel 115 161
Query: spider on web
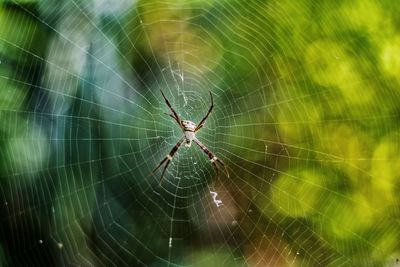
pixel 189 129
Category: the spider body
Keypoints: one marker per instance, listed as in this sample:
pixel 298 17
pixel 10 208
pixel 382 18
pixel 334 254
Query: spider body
pixel 189 129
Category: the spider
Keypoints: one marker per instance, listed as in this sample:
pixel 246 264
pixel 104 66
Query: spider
pixel 189 129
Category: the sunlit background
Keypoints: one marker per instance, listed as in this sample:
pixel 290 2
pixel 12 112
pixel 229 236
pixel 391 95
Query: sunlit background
pixel 306 119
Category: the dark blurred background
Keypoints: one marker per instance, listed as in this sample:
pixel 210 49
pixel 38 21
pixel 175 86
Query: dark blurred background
pixel 306 119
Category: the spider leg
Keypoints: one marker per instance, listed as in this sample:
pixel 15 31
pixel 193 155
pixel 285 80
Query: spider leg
pixel 212 157
pixel 168 159
pixel 223 165
pixel 175 115
pixel 216 169
pixel 203 121
pixel 172 116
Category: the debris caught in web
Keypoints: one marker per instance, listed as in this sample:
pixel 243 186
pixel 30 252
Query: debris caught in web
pixel 217 202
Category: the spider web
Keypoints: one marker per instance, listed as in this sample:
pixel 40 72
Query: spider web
pixel 305 119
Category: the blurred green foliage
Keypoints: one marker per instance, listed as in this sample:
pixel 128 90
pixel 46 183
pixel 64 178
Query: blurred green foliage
pixel 306 118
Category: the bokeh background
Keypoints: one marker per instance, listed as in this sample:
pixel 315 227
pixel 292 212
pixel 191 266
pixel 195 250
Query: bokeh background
pixel 306 120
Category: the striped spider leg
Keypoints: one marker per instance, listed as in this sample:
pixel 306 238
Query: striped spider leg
pixel 189 129
pixel 212 157
pixel 168 159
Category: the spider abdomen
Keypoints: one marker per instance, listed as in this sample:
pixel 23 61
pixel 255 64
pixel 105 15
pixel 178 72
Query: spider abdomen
pixel 189 126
